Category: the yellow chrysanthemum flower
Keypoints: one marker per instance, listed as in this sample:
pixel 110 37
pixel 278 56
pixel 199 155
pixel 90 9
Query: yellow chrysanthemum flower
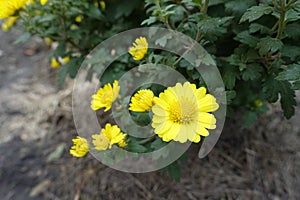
pixel 54 63
pixel 181 113
pixel 108 136
pixel 139 48
pixel 105 96
pixel 80 148
pixel 78 19
pixel 142 101
pixel 8 23
pixel 43 2
pixel 9 7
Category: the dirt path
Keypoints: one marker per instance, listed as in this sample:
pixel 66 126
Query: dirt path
pixel 37 127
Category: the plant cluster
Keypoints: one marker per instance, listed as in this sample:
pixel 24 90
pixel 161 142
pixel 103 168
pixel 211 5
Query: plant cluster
pixel 255 45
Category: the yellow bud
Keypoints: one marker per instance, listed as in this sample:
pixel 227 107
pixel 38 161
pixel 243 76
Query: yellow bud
pixel 54 63
pixel 43 2
pixel 258 103
pixel 48 41
pixel 78 19
pixel 102 4
pixel 73 27
pixel 65 60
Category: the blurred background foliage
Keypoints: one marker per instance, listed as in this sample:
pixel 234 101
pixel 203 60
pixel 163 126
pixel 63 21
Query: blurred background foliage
pixel 254 43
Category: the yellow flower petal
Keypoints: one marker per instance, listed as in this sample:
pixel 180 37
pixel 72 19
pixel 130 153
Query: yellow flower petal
pixel 105 96
pixel 43 2
pixel 142 101
pixel 181 113
pixel 54 63
pixel 109 136
pixel 8 23
pixel 139 48
pixel 80 147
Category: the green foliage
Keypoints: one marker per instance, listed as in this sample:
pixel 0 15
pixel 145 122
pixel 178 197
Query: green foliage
pixel 78 26
pixel 255 45
pixel 268 44
pixel 272 88
pixel 256 12
pixel 291 73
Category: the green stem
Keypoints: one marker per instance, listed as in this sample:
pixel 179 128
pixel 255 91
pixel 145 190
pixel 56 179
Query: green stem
pixel 204 8
pixel 165 20
pixel 150 139
pixel 204 12
pixel 281 23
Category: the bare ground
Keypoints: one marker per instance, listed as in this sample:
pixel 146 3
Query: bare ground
pixel 36 129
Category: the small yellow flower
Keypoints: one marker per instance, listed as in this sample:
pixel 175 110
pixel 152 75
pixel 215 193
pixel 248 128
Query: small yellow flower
pixel 48 41
pixel 54 63
pixel 8 23
pixel 258 103
pixel 108 136
pixel 65 60
pixel 102 5
pixel 43 2
pixel 100 141
pixel 78 19
pixel 142 101
pixel 105 96
pixel 10 7
pixel 139 48
pixel 122 143
pixel 80 147
pixel 181 113
pixel 73 27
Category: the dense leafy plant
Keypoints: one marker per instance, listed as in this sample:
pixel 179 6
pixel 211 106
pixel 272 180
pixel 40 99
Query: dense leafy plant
pixel 254 43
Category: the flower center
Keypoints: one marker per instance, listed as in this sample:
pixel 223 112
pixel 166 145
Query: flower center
pixel 183 112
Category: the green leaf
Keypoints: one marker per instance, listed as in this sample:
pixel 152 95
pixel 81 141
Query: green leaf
pixel 134 146
pixel 149 21
pixel 249 118
pixel 254 27
pixel 94 12
pixel 272 88
pixel 141 118
pixel 230 95
pixel 239 7
pixel 291 73
pixel 70 68
pixel 57 153
pixel 48 18
pixel 23 38
pixel 256 12
pixel 230 74
pixel 268 44
pixel 163 40
pixel 158 143
pixel 296 85
pixel 213 26
pixel 245 38
pixel 292 30
pixel 252 72
pixel 292 15
pixel 290 51
pixel 174 171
